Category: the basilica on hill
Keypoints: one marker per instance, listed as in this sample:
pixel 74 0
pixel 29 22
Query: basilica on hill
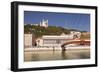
pixel 44 23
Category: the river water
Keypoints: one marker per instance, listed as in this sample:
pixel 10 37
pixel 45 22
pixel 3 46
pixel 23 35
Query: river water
pixel 56 55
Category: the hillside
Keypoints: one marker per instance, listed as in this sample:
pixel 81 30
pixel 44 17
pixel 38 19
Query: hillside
pixel 38 31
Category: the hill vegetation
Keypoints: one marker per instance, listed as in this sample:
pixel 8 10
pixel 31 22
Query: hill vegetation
pixel 38 31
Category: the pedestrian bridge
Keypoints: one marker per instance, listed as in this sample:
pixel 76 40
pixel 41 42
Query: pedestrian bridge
pixel 78 42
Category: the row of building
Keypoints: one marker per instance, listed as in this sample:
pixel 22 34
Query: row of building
pixel 42 23
pixel 50 40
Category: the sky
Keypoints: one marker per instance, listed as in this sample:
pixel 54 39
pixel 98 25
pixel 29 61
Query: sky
pixel 77 21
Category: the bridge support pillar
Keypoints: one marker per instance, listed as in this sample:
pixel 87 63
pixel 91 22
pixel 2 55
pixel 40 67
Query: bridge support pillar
pixel 63 48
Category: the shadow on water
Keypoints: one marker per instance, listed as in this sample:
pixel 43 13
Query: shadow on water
pixel 35 57
pixel 64 55
pixel 84 55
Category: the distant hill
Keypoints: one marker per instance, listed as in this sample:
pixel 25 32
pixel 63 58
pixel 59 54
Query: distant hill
pixel 38 31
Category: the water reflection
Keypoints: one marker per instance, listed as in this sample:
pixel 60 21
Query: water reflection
pixel 56 55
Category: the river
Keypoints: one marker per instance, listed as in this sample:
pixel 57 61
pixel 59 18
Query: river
pixel 69 54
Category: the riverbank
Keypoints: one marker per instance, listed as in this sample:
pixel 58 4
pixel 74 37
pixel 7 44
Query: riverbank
pixel 56 48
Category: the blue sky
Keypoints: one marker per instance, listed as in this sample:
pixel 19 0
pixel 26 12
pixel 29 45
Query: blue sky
pixel 66 20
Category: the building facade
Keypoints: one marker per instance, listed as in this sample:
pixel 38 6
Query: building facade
pixel 28 40
pixel 57 40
